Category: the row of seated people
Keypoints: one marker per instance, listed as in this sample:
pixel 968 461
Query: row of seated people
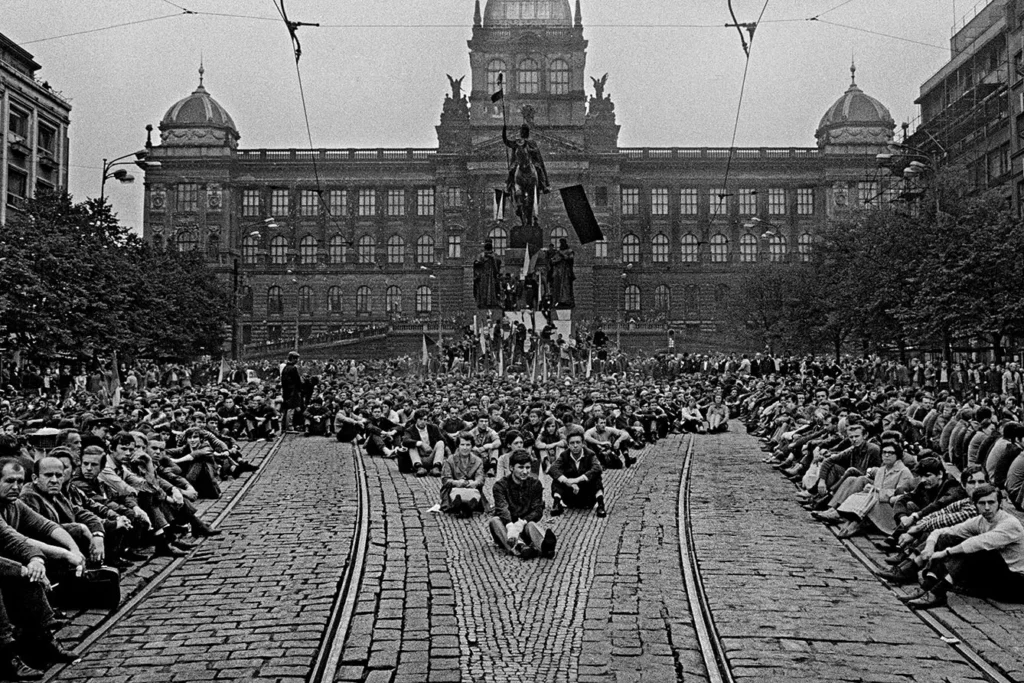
pixel 110 493
pixel 867 467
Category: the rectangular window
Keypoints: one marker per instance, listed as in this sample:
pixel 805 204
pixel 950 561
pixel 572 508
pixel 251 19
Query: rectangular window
pixel 718 201
pixel 867 194
pixel 630 201
pixel 308 203
pixel 805 201
pixel 188 197
pixel 777 201
pixel 396 202
pixel 688 201
pixel 659 201
pixel 250 203
pixel 748 201
pixel 280 204
pixel 367 202
pixel 337 202
pixel 47 139
pixel 17 183
pixel 601 196
pixel 454 197
pixel 601 249
pixel 246 335
pixel 425 201
pixel 454 246
pixel 17 123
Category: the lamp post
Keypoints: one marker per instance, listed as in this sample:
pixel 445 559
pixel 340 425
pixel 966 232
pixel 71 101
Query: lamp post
pixel 911 163
pixel 621 307
pixel 121 175
pixel 769 232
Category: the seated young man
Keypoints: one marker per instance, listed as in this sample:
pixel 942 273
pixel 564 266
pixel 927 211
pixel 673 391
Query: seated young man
pixel 317 418
pixel 608 443
pixel 983 556
pixel 518 506
pixel 426 445
pixel 576 476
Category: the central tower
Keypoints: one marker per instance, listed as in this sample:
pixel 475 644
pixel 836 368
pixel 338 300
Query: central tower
pixel 539 49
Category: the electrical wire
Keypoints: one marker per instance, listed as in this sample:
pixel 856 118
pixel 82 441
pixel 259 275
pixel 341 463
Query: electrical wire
pixel 831 9
pixel 747 48
pixel 102 28
pixel 879 33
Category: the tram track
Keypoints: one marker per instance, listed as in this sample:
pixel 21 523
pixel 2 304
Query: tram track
pixel 328 657
pixel 712 650
pixel 127 608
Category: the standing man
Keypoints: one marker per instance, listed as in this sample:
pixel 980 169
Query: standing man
pixel 291 390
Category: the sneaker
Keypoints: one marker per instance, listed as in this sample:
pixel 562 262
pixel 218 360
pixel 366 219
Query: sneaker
pixel 547 546
pixel 557 508
pixel 13 669
pixel 830 516
pixel 601 511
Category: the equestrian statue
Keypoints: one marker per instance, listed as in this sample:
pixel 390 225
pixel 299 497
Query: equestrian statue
pixel 526 175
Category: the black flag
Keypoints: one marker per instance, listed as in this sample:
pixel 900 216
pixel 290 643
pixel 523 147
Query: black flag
pixel 580 214
pixel 500 94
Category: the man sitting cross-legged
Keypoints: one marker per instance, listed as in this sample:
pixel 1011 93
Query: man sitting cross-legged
pixel 518 506
pixel 608 442
pixel 576 476
pixel 426 445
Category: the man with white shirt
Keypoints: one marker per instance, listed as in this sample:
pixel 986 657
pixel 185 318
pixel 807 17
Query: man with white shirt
pixel 426 445
pixel 608 442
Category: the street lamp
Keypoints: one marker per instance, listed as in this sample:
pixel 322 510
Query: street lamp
pixel 440 313
pixel 121 175
pixel 622 306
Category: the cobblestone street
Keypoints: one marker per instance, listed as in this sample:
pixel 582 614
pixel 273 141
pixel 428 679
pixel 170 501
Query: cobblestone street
pixel 439 602
pixel 789 601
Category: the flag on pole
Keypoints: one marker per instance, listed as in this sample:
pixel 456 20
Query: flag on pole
pixel 544 350
pixel 500 197
pixel 590 363
pixel 577 207
pixel 501 360
pixel 426 356
pixel 114 385
pixel 526 264
pixel 225 370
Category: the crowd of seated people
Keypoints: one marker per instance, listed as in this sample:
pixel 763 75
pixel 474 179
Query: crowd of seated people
pixel 934 476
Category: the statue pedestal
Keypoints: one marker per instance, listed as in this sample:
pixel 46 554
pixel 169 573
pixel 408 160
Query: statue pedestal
pixel 562 320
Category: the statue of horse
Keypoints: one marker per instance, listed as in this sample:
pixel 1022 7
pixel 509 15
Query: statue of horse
pixel 525 182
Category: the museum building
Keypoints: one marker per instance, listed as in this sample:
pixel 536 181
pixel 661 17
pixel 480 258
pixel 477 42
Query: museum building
pixel 321 241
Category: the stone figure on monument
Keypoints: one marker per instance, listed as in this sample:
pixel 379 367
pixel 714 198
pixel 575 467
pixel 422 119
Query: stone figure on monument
pixel 487 278
pixel 561 275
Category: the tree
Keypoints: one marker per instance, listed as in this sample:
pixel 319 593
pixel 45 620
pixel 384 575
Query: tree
pixel 73 280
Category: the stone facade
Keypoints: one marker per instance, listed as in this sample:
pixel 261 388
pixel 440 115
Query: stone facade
pixel 391 234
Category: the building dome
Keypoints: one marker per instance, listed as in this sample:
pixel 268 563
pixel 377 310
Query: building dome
pixel 857 120
pixel 198 120
pixel 528 13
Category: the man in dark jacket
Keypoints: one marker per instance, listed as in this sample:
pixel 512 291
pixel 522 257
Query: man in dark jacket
pixel 576 476
pixel 426 445
pixel 45 495
pixel 934 491
pixel 518 506
pixel 291 390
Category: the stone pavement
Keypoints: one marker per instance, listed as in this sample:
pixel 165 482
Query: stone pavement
pixel 440 602
pixel 789 601
pixel 252 604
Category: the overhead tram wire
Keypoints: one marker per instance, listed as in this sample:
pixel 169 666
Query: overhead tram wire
pixel 747 47
pixel 297 51
pixel 102 28
pixel 878 33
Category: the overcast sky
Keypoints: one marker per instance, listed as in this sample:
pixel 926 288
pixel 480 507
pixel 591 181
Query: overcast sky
pixel 382 85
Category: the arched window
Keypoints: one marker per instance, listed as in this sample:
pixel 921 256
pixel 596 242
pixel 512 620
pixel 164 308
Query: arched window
pixel 424 299
pixel 690 247
pixel 662 298
pixel 250 248
pixel 748 248
pixel 396 249
pixel 494 68
pixel 275 301
pixel 558 233
pixel 425 249
pixel 336 248
pixel 363 299
pixel 307 250
pixel 499 238
pixel 804 246
pixel 559 77
pixel 719 248
pixel 245 300
pixel 631 249
pixel 393 299
pixel 528 77
pixel 334 300
pixel 186 240
pixel 305 299
pixel 777 248
pixel 366 248
pixel 659 248
pixel 279 251
pixel 632 298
